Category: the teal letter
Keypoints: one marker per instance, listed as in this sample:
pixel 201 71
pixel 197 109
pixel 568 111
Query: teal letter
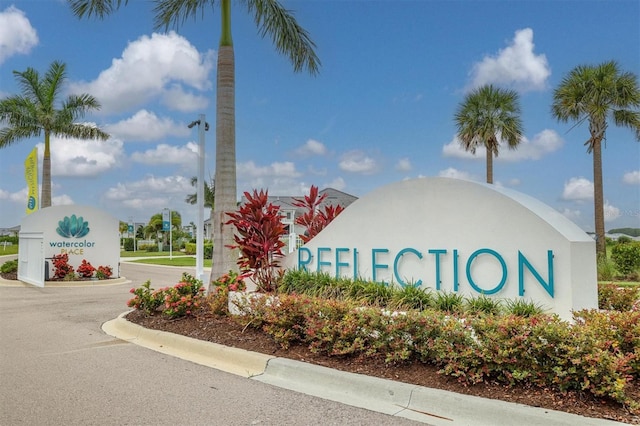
pixel 374 265
pixel 322 263
pixel 355 264
pixel 502 263
pixel 338 263
pixel 522 261
pixel 438 253
pixel 397 260
pixel 456 284
pixel 302 264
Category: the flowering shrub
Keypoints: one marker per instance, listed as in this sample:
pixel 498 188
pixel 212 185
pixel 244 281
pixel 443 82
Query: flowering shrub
pixel 85 270
pixel 218 299
pixel 146 299
pixel 104 272
pixel 177 301
pixel 61 265
pixel 599 353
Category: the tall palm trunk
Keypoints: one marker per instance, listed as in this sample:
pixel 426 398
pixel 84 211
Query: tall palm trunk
pixel 45 197
pixel 489 166
pixel 598 197
pixel 224 259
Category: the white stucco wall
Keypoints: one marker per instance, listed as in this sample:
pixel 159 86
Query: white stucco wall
pixel 454 219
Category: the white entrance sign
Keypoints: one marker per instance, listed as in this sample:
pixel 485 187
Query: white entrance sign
pixel 81 232
pixel 459 236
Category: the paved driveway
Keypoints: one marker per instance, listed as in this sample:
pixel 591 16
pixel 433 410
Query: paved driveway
pixel 57 367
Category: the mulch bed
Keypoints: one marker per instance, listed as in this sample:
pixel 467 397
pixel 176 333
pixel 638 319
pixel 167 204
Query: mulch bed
pixel 226 331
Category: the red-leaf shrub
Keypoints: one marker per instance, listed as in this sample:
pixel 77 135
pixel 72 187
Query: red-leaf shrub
pixel 61 265
pixel 85 270
pixel 259 230
pixel 315 219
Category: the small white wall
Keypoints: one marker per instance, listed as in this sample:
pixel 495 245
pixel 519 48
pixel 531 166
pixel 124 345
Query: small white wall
pixel 99 243
pixel 460 236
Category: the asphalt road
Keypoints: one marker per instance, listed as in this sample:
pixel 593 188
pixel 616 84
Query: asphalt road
pixel 57 367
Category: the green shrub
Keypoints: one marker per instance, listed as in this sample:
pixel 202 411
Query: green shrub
pixel 523 308
pixel 484 304
pixel 617 298
pixel 180 300
pixel 449 302
pixel 606 269
pixel 9 266
pixel 626 256
pixel 128 244
pixel 190 248
pixel 207 250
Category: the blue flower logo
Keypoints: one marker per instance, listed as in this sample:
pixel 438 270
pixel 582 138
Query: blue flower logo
pixel 72 227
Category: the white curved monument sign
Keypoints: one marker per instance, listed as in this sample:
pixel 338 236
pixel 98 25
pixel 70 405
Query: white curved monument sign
pixel 80 232
pixel 459 236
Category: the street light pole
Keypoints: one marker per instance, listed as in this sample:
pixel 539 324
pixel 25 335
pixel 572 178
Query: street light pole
pixel 202 127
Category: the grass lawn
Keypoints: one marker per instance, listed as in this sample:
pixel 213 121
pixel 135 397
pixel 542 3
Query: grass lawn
pixel 149 253
pixel 7 250
pixel 176 261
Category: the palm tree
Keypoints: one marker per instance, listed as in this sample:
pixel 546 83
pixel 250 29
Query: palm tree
pixel 154 227
pixel 34 112
pixel 486 116
pixel 595 93
pixel 209 193
pixel 288 37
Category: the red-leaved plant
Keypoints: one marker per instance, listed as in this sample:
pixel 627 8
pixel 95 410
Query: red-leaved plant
pixel 61 265
pixel 86 269
pixel 259 230
pixel 315 219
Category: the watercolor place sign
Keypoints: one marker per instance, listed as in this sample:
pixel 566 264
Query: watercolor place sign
pixel 81 232
pixel 460 237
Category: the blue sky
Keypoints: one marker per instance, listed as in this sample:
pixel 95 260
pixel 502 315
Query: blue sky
pixel 381 109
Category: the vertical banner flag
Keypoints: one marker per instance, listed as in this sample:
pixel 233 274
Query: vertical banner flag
pixel 31 175
pixel 166 219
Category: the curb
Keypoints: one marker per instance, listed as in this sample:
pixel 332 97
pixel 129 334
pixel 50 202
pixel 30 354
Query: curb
pixel 231 360
pixel 433 406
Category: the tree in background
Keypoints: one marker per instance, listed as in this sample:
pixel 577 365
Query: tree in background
pixel 36 112
pixel 154 227
pixel 209 193
pixel 289 38
pixel 595 94
pixel 485 117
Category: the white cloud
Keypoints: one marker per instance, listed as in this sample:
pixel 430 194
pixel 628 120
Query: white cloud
pixel 357 162
pixel 632 178
pixel 403 165
pixel 146 126
pixel 150 194
pixel 514 182
pixel 150 67
pixel 186 155
pixel 178 99
pixel 515 66
pixel 61 200
pixel 571 214
pixel 284 169
pixel 543 143
pixel 611 213
pixel 17 36
pixel 578 189
pixel 456 174
pixel 79 157
pixel 338 183
pixel 312 147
